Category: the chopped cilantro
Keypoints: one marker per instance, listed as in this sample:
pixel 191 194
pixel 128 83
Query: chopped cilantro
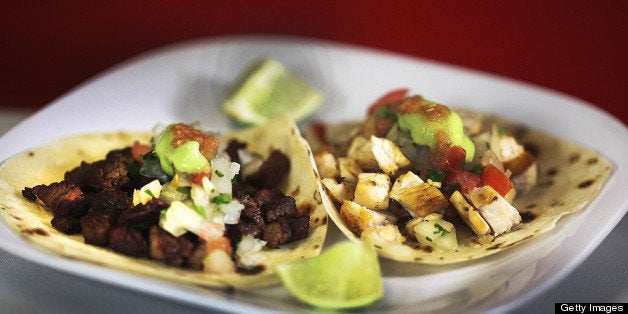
pixel 150 193
pixel 222 199
pixel 428 238
pixel 440 229
pixel 436 176
pixel 184 189
pixel 218 173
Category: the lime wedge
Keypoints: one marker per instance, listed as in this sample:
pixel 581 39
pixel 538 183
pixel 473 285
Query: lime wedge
pixel 347 275
pixel 268 88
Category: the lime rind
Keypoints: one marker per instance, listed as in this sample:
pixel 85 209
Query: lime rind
pixel 267 89
pixel 347 275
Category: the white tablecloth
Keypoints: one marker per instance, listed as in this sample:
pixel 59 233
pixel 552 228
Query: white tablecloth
pixel 26 287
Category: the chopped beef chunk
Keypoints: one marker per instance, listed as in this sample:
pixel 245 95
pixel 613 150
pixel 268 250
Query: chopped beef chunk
pixel 271 216
pixel 64 199
pixel 29 194
pixel 142 216
pixel 111 198
pixel 300 227
pixel 284 206
pixel 125 153
pixel 110 173
pixel 106 173
pixel 195 260
pixel 232 150
pixel 95 226
pixel 67 225
pixel 277 233
pixel 128 240
pixel 264 196
pixel 252 211
pixel 172 250
pixel 80 175
pixel 271 172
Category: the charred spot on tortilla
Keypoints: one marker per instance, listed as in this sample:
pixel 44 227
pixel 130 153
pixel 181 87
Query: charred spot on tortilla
pixel 585 184
pixel 31 154
pixel 552 172
pixel 527 217
pixel 557 203
pixel 575 157
pixel 15 217
pixel 251 270
pixel 229 291
pixel 592 161
pixel 36 231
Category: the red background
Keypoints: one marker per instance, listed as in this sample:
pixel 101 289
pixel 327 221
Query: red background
pixel 576 47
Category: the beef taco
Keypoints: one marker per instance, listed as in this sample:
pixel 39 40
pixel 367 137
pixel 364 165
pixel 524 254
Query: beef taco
pixel 176 204
pixel 427 184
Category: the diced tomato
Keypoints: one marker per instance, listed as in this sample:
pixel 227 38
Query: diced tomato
pixel 454 158
pixel 221 243
pixel 466 179
pixel 495 178
pixel 197 178
pixel 390 97
pixel 138 150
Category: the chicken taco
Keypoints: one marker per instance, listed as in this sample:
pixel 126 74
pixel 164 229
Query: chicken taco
pixel 177 203
pixel 427 184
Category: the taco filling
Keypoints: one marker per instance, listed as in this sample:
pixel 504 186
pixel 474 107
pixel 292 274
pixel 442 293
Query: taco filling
pixel 425 183
pixel 227 207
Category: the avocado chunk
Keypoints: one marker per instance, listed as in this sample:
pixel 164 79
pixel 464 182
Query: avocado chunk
pixel 423 131
pixel 186 157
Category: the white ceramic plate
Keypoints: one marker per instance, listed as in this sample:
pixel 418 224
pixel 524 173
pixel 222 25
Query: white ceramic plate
pixel 187 82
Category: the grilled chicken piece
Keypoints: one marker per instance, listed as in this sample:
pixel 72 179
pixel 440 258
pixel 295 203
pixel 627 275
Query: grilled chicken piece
pixel 361 150
pixel 382 234
pixel 388 155
pixel 496 211
pixel 417 197
pixel 339 190
pixel 372 190
pixel 326 164
pixel 358 217
pixel 470 214
pixel 512 155
pixel 349 169
pixel 376 154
